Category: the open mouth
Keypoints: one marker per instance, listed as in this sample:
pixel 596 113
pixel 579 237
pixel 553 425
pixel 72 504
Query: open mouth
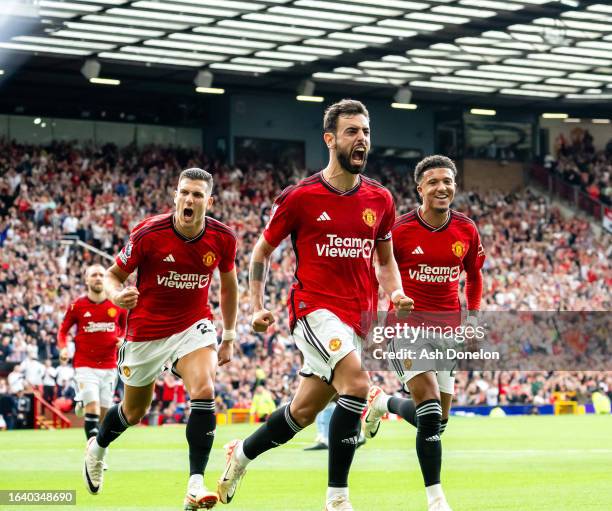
pixel 358 155
pixel 188 213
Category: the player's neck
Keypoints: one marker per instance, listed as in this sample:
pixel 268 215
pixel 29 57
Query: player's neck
pixel 339 178
pixel 433 217
pixel 96 297
pixel 189 231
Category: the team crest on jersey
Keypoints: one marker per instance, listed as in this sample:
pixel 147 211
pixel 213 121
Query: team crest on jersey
pixel 335 344
pixel 458 248
pixel 209 258
pixel 126 371
pixel 369 217
pixel 112 312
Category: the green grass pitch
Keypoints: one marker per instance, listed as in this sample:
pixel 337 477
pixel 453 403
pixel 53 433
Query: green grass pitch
pixel 510 464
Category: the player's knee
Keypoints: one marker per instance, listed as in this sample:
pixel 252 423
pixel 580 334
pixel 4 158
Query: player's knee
pixel 204 390
pixel 304 415
pixel 357 388
pixel 134 414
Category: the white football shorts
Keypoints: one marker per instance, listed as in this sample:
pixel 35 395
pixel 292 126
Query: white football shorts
pixel 445 377
pixel 140 363
pixel 95 385
pixel 324 340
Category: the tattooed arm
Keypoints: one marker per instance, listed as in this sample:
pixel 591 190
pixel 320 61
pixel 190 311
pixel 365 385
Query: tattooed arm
pixel 258 273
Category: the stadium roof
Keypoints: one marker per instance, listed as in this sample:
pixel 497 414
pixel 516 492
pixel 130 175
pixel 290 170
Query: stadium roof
pixel 508 51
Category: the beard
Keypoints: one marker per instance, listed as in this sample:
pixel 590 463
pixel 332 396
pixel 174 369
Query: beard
pixel 344 160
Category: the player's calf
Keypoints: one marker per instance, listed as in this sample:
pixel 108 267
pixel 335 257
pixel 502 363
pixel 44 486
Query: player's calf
pixel 90 425
pixel 200 433
pixel 344 429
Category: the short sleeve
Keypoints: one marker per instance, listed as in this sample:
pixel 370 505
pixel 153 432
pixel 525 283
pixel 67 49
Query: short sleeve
pixel 387 221
pixel 282 218
pixel 475 257
pixel 227 262
pixel 130 256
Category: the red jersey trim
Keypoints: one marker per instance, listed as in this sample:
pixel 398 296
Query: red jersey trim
pixel 335 190
pixel 461 217
pixel 430 227
pixel 147 229
pixel 314 179
pixel 215 225
pixel 185 238
pixel 373 182
pixel 404 219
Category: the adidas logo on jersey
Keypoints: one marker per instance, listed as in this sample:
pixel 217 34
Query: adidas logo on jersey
pixel 169 259
pixel 418 251
pixel 87 315
pixel 323 217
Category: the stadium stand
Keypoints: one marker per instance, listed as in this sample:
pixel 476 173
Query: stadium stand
pixel 537 260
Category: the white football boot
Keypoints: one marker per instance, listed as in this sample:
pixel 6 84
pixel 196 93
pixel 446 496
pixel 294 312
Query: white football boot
pixel 200 499
pixel 234 471
pixel 439 504
pixel 375 411
pixel 93 470
pixel 340 503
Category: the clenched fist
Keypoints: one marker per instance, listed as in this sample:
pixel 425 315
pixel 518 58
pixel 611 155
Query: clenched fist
pixel 261 320
pixel 127 298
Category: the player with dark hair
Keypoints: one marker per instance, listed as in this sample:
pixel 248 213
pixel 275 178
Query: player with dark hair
pixel 337 220
pixel 100 324
pixel 170 323
pixel 432 246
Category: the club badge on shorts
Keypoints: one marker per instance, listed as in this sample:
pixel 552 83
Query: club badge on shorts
pixel 126 371
pixel 335 344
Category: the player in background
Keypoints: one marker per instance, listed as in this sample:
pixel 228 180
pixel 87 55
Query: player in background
pixel 100 325
pixel 431 241
pixel 170 323
pixel 337 219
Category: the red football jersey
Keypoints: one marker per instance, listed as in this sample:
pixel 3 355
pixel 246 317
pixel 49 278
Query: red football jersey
pixel 431 259
pixel 333 234
pixel 174 274
pixel 99 326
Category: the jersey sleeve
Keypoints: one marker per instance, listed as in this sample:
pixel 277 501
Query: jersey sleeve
pixel 228 258
pixel 388 220
pixel 67 322
pixel 475 257
pixel 398 253
pixel 131 254
pixel 283 218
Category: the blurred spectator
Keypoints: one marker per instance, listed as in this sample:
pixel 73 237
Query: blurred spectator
pixel 263 404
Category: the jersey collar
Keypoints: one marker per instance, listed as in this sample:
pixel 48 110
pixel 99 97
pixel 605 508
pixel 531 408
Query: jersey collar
pixel 430 227
pixel 335 190
pixel 185 238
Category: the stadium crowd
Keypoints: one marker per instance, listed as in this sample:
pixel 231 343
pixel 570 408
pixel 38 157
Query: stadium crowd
pixel 578 162
pixel 536 260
